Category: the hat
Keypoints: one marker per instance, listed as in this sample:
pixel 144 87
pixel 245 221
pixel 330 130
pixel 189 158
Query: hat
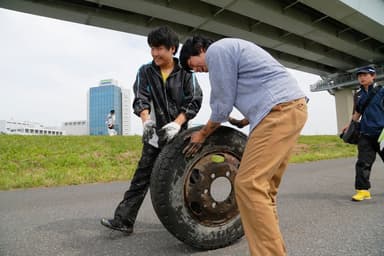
pixel 366 70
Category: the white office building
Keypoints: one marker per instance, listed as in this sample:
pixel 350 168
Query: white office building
pixel 78 127
pixel 27 128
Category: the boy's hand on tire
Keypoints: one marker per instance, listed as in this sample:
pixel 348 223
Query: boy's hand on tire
pixel 149 127
pixel 168 132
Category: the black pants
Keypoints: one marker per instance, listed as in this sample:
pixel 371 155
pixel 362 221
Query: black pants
pixel 127 209
pixel 367 149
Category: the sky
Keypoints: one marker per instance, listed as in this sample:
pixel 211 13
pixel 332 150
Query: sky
pixel 47 67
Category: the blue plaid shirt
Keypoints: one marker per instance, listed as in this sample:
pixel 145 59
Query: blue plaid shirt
pixel 245 76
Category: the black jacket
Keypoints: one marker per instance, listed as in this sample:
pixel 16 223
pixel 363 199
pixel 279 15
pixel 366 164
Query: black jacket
pixel 181 93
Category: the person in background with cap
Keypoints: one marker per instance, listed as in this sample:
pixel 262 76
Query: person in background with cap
pixel 371 125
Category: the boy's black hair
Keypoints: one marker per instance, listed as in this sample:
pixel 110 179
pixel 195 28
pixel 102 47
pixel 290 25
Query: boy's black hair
pixel 163 35
pixel 192 47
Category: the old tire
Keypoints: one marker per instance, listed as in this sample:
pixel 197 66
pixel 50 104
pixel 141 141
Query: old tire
pixel 186 193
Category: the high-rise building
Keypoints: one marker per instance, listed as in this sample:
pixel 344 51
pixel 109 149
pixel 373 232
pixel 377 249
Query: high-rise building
pixel 101 100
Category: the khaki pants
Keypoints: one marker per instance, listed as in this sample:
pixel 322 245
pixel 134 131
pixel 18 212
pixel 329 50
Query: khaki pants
pixel 262 166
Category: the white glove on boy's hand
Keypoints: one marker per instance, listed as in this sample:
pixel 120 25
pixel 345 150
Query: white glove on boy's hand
pixel 149 128
pixel 169 131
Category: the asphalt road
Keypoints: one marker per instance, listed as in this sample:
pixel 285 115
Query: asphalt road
pixel 316 218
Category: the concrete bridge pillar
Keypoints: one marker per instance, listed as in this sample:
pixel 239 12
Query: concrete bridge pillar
pixel 344 106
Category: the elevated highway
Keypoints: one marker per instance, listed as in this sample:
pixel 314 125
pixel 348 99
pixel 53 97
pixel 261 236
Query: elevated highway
pixel 330 38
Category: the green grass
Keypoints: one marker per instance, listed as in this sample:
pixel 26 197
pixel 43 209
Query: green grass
pixel 36 161
pixel 315 148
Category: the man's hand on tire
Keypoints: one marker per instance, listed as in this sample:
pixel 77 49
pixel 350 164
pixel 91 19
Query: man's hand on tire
pixel 239 123
pixel 194 145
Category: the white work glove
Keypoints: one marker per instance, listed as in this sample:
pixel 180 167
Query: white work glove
pixel 168 132
pixel 149 133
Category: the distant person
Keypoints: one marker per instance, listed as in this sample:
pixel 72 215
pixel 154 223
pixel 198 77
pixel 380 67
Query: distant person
pixel 111 120
pixel 245 76
pixel 166 98
pixel 369 109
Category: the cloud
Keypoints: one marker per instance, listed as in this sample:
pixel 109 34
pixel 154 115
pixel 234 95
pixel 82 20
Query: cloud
pixel 47 66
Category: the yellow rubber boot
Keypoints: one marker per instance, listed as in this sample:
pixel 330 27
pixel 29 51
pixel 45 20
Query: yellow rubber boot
pixel 361 195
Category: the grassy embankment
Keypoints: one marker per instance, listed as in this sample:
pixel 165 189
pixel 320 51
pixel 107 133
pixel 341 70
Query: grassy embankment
pixel 35 161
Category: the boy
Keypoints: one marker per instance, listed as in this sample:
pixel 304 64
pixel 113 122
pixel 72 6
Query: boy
pixel 166 97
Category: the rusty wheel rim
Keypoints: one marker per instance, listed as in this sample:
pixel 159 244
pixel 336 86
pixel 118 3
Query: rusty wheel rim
pixel 204 185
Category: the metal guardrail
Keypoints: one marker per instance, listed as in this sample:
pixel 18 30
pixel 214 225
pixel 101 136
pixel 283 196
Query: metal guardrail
pixel 344 80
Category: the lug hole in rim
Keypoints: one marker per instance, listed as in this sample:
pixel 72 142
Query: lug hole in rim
pixel 196 207
pixel 195 176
